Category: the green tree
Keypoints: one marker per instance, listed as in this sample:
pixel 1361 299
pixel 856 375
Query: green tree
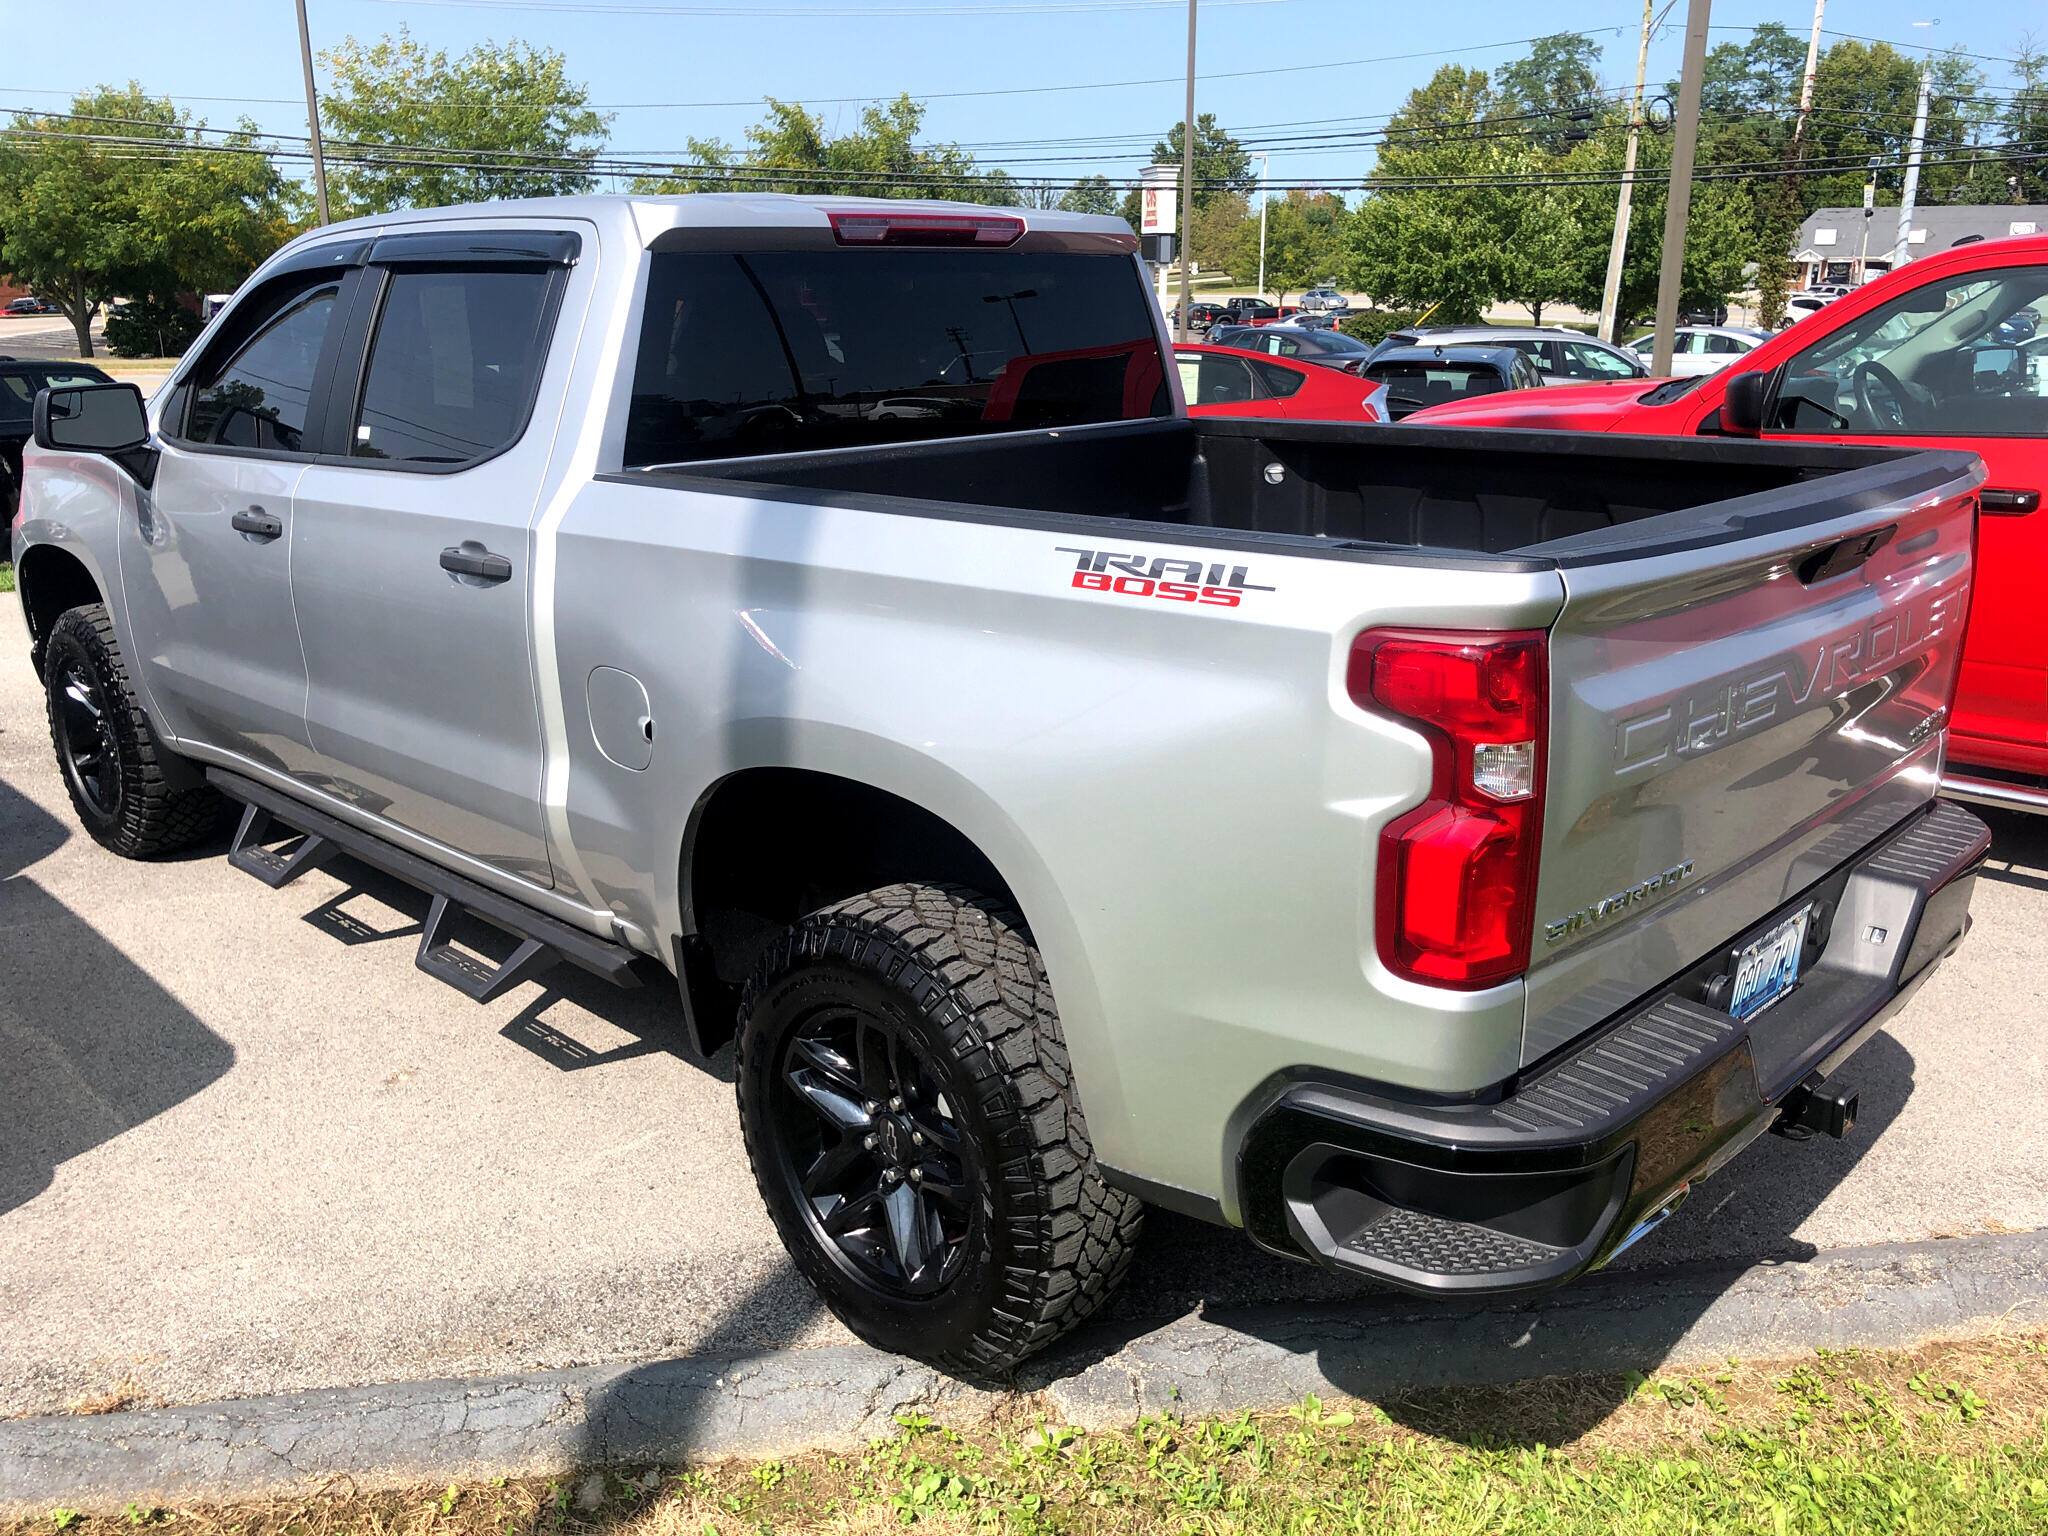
pixel 1092 194
pixel 1306 240
pixel 125 194
pixel 1417 242
pixel 1222 168
pixel 1550 255
pixel 790 151
pixel 1551 88
pixel 408 127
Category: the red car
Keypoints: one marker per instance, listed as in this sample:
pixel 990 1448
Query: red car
pixel 1950 351
pixel 1227 381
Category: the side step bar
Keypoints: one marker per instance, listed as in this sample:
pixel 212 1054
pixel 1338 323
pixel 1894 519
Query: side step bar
pixel 2010 797
pixel 544 941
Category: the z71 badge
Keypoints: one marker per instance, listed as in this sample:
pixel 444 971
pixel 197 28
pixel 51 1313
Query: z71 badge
pixel 1161 576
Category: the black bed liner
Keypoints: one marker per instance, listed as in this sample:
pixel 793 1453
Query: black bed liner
pixel 1501 497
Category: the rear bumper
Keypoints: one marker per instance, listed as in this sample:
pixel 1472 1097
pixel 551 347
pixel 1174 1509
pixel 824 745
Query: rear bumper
pixel 1584 1152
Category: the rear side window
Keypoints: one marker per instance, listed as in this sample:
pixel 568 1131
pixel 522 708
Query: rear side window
pixel 1280 382
pixel 781 351
pixel 257 398
pixel 453 365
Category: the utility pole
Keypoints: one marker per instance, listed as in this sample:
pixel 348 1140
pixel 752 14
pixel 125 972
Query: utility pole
pixel 1806 84
pixel 1610 293
pixel 1262 159
pixel 1911 193
pixel 1187 178
pixel 1678 203
pixel 313 117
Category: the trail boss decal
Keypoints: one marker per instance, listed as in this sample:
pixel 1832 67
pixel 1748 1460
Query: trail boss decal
pixel 1177 581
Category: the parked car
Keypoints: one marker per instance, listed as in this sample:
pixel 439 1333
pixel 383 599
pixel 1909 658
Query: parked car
pixel 1417 377
pixel 1231 381
pixel 1698 349
pixel 1330 349
pixel 1201 315
pixel 1251 312
pixel 1560 356
pixel 1313 828
pixel 29 304
pixel 1324 297
pixel 1922 357
pixel 1801 305
pixel 19 383
pixel 1716 314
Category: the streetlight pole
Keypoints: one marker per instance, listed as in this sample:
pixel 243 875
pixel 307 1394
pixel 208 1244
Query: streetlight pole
pixel 313 117
pixel 1911 193
pixel 1187 178
pixel 1262 159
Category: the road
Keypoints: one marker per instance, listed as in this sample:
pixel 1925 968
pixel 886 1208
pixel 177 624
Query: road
pixel 249 1148
pixel 39 338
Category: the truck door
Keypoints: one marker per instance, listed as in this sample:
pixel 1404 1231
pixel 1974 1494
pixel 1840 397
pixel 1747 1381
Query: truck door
pixel 412 568
pixel 1959 362
pixel 206 564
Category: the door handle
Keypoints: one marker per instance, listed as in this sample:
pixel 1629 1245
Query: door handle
pixel 2006 502
pixel 471 559
pixel 258 524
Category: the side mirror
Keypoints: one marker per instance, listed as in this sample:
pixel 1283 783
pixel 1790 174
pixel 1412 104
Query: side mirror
pixel 91 418
pixel 1742 405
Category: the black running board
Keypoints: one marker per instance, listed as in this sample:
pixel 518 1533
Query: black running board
pixel 543 941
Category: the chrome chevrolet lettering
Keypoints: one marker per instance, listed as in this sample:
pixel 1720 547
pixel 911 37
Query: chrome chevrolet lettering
pixel 1620 901
pixel 1719 712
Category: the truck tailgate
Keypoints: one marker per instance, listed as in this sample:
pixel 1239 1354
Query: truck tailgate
pixel 1734 712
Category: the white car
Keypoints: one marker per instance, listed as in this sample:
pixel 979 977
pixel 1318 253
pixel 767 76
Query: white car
pixel 1701 349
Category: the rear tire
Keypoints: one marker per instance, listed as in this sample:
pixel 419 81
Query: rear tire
pixel 110 761
pixel 911 1120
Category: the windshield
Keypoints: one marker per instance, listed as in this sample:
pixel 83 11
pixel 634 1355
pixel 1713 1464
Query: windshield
pixel 1412 386
pixel 780 351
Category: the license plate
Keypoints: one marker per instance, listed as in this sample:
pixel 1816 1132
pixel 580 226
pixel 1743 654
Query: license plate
pixel 1768 969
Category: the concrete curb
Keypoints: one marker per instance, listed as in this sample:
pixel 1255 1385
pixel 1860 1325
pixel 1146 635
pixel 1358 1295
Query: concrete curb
pixel 703 1407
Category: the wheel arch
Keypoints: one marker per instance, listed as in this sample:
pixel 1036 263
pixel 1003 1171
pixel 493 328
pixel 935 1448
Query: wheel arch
pixel 52 580
pixel 792 830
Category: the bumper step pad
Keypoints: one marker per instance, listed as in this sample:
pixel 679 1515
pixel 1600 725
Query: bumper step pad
pixel 1436 1245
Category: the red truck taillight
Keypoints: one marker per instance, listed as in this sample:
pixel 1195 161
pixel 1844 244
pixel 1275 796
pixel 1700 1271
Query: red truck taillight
pixel 1457 875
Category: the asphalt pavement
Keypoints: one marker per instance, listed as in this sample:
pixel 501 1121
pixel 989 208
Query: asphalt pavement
pixel 246 1147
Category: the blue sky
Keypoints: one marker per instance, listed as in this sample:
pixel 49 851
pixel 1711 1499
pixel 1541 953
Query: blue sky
pixel 639 53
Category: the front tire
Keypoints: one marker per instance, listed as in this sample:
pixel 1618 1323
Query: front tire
pixel 911 1120
pixel 111 763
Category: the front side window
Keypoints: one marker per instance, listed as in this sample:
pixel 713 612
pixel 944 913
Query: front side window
pixel 257 398
pixel 781 351
pixel 453 366
pixel 1968 355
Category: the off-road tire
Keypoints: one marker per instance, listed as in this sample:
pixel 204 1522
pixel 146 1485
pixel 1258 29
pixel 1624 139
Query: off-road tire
pixel 969 990
pixel 146 815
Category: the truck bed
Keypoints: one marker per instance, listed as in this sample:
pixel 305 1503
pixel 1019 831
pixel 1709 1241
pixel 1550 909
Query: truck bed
pixel 1370 491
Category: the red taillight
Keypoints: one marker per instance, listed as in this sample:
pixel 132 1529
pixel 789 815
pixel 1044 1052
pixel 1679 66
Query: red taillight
pixel 926 229
pixel 1457 875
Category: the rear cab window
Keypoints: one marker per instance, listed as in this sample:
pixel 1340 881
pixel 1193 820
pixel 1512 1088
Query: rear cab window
pixel 784 351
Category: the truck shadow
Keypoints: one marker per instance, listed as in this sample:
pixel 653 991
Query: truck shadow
pixel 90 1046
pixel 1750 1213
pixel 2019 848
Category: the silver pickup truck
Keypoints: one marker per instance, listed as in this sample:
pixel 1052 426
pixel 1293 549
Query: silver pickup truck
pixel 1430 851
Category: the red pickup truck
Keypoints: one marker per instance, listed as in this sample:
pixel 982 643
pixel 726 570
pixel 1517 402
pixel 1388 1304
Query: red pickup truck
pixel 1950 351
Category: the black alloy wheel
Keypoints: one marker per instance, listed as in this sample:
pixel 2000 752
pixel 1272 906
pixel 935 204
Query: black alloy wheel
pixel 872 1150
pixel 87 748
pixel 134 796
pixel 912 1122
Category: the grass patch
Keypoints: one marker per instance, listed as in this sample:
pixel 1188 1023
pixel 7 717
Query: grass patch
pixel 1943 1439
pixel 6 577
